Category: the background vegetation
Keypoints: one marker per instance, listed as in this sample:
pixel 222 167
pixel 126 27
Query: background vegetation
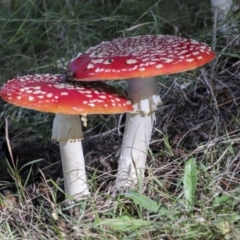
pixel 192 181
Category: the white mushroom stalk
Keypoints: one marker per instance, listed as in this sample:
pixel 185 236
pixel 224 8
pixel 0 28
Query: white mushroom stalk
pixel 222 10
pixel 138 130
pixel 52 93
pixel 67 130
pixel 139 59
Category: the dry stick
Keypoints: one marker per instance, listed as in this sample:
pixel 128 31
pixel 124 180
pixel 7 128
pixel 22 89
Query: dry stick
pixel 219 160
pixel 214 40
pixel 222 104
pixel 119 125
pixel 8 141
pixel 206 80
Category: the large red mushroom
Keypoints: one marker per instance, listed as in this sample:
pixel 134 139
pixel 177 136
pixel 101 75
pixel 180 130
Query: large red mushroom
pixel 51 93
pixel 139 59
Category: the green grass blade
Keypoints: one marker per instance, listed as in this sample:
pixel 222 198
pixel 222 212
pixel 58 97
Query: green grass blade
pixel 124 223
pixel 190 182
pixel 145 202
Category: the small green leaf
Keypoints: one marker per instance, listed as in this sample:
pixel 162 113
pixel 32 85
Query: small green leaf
pixel 124 223
pixel 225 199
pixel 145 202
pixel 190 182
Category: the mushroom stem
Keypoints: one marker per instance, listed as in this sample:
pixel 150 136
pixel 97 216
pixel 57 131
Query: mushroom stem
pixel 67 130
pixel 221 10
pixel 75 180
pixel 138 129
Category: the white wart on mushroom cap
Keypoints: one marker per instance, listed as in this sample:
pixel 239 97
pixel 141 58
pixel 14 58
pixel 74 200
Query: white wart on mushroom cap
pixel 141 56
pixel 51 93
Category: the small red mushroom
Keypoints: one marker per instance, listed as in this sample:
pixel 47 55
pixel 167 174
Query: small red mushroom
pixel 51 93
pixel 139 58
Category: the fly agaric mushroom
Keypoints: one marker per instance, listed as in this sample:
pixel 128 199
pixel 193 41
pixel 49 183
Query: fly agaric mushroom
pixel 139 58
pixel 51 93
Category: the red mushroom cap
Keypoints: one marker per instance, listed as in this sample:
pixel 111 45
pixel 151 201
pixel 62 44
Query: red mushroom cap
pixel 50 93
pixel 141 56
